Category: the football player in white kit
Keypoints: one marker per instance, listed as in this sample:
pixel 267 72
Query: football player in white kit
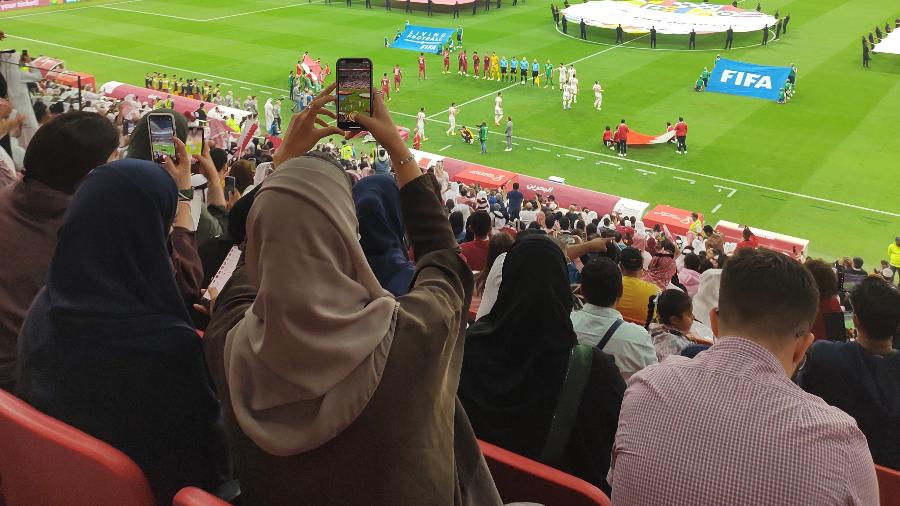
pixel 567 96
pixel 498 109
pixel 563 75
pixel 571 71
pixel 598 95
pixel 451 113
pixel 420 123
pixel 573 83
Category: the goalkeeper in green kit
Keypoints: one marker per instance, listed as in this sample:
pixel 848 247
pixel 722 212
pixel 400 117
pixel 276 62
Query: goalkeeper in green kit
pixel 548 75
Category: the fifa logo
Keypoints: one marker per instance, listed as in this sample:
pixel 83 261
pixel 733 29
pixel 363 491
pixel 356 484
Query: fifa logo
pixel 746 79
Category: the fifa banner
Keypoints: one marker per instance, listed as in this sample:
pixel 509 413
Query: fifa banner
pixel 748 80
pixel 423 39
pixel 668 16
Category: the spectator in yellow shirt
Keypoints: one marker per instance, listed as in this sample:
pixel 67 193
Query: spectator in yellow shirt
pixel 696 225
pixel 636 292
pixel 894 258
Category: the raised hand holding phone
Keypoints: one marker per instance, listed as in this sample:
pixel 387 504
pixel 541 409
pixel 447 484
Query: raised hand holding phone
pixel 178 167
pixel 354 91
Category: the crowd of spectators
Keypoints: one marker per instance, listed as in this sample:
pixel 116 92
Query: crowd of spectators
pixel 340 361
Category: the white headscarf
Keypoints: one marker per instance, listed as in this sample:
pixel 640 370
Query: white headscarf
pixel 308 355
pixel 707 295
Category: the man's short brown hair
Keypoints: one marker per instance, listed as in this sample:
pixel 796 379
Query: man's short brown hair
pixel 767 293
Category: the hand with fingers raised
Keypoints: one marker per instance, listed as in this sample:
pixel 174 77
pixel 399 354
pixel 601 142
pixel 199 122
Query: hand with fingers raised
pixel 307 128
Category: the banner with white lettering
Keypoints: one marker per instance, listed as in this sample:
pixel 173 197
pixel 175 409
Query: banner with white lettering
pixel 748 80
pixel 424 39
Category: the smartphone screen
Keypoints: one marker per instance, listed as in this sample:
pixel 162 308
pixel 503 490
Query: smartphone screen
pixel 162 130
pixel 194 144
pixel 354 90
pixel 127 127
pixel 229 186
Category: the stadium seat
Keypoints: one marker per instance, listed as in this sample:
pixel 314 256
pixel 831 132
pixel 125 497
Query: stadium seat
pixel 43 461
pixel 520 479
pixel 193 496
pixel 888 486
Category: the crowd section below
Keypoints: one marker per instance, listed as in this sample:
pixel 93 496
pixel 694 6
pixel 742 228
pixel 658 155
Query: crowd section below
pixel 348 326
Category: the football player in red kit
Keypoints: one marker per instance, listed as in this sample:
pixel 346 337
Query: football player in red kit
pixel 385 87
pixel 398 75
pixel 422 66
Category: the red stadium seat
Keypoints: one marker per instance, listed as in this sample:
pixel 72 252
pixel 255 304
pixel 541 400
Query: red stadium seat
pixel 520 479
pixel 193 496
pixel 43 461
pixel 888 486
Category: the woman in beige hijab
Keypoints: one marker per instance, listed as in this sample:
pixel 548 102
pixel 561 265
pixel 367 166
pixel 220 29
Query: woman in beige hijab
pixel 336 391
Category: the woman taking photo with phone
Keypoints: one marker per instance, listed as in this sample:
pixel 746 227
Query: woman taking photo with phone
pixel 336 391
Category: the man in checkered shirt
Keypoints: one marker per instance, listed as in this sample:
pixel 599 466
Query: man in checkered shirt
pixel 729 427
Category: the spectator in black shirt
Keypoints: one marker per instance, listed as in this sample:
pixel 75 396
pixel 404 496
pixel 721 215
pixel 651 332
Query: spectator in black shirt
pixel 863 377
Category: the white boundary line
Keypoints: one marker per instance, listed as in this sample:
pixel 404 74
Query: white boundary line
pixel 157 14
pixel 57 11
pixel 533 141
pixel 111 6
pixel 298 4
pixel 690 181
pixel 718 206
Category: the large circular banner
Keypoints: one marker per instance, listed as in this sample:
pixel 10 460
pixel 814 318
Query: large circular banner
pixel 667 16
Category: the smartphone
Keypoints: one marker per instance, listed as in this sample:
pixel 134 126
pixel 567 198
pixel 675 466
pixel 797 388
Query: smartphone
pixel 127 127
pixel 354 90
pixel 162 133
pixel 194 143
pixel 229 186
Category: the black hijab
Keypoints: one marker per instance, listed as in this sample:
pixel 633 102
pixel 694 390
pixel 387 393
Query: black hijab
pixel 382 234
pixel 108 346
pixel 516 356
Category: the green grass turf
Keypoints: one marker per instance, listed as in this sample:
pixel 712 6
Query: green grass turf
pixel 837 140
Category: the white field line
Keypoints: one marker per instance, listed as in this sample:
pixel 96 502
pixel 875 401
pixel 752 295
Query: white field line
pixel 58 11
pixel 607 163
pixel 157 14
pixel 718 206
pixel 263 10
pixel 525 139
pixel 111 6
pixel 690 181
pixel 645 172
pixel 445 147
pixel 730 193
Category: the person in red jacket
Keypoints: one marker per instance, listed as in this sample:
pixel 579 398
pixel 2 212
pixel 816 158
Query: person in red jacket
pixel 476 250
pixel 446 62
pixel 608 138
pixel 681 135
pixel 622 134
pixel 476 63
pixel 750 240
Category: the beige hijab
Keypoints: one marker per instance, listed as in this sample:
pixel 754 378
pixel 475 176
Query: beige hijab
pixel 309 353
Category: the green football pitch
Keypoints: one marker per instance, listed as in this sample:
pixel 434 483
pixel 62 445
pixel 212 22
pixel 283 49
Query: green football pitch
pixel 823 167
